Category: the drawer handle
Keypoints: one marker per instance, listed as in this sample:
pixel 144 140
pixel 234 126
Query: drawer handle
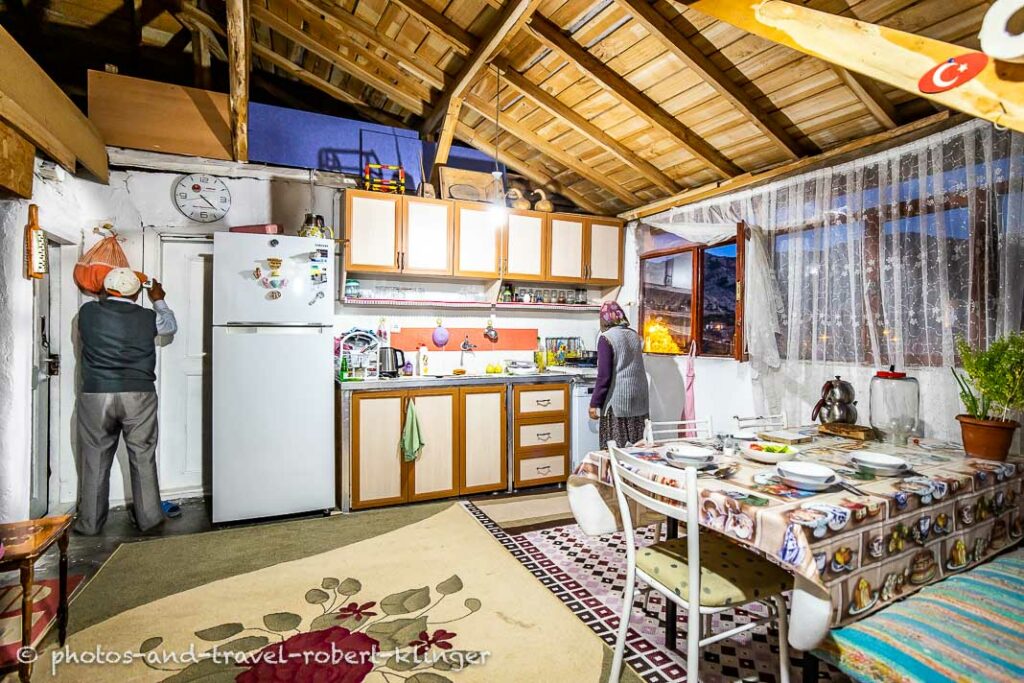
pixel 543 401
pixel 544 436
pixel 545 469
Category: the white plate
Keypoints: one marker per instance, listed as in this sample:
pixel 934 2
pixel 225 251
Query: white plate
pixel 881 462
pixel 683 452
pixel 765 456
pixel 745 435
pixel 806 471
pixel 805 485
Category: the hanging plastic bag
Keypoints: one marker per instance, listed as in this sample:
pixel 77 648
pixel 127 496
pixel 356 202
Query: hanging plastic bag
pixel 94 265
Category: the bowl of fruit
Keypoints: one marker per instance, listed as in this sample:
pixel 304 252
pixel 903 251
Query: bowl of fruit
pixel 769 452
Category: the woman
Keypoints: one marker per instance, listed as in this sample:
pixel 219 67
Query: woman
pixel 620 396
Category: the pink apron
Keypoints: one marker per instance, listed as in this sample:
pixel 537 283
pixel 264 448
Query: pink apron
pixel 689 407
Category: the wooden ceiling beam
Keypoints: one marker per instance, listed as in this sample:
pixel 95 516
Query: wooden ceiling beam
pixel 462 40
pixel 563 112
pixel 553 36
pixel 512 16
pixel 405 98
pixel 689 54
pixel 447 133
pixel 870 95
pixel 340 20
pixel 549 149
pixel 887 55
pixel 536 175
pixel 239 63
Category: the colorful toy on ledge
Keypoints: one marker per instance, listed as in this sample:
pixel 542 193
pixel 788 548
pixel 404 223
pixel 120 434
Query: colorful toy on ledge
pixel 373 178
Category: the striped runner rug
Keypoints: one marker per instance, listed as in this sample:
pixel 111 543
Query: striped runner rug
pixel 966 628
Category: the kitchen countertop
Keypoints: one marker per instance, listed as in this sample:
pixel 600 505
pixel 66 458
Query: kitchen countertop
pixel 463 380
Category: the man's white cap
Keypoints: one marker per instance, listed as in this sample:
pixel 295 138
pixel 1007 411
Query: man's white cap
pixel 122 282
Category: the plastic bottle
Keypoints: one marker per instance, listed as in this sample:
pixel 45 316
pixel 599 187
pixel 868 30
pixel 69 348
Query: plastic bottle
pixel 540 357
pixel 423 361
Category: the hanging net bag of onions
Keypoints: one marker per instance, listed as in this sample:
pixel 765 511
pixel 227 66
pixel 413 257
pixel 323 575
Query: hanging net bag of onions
pixel 94 265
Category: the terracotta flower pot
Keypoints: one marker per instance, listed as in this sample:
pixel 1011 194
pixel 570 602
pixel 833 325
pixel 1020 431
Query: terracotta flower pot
pixel 988 439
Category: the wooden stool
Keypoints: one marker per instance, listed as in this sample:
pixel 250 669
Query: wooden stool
pixel 24 543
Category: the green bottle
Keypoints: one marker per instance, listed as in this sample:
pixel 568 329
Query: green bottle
pixel 344 368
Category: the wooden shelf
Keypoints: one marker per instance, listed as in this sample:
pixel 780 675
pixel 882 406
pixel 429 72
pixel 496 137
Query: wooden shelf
pixel 472 305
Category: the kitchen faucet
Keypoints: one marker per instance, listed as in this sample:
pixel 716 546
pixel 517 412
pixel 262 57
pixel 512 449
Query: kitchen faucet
pixel 465 346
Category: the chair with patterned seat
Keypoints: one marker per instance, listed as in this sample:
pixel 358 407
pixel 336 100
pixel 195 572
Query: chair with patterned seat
pixel 702 570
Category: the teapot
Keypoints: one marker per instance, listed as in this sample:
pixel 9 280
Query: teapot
pixel 838 390
pixel 837 403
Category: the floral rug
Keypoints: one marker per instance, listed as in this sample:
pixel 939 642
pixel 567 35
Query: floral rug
pixel 45 600
pixel 434 601
pixel 588 575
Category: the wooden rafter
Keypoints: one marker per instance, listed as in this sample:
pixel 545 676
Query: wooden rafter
pixel 202 75
pixel 549 149
pixel 530 170
pixel 459 38
pixel 884 54
pixel 689 54
pixel 553 36
pixel 444 138
pixel 870 95
pixel 340 20
pixel 405 98
pixel 551 104
pixel 239 60
pixel 510 17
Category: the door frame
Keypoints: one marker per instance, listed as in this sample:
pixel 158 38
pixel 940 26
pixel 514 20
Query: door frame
pixel 50 494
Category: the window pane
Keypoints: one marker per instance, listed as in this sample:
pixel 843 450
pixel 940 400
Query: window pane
pixel 667 302
pixel 718 334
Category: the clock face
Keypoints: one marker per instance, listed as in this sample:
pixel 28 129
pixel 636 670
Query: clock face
pixel 203 198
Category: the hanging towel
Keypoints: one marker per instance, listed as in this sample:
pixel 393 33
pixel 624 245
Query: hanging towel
pixel 412 441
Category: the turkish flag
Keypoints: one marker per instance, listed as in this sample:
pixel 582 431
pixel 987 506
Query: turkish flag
pixel 953 72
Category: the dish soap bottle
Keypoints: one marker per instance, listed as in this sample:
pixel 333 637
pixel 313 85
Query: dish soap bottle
pixel 423 361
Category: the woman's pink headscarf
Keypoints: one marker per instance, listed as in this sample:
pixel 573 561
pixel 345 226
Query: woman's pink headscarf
pixel 612 315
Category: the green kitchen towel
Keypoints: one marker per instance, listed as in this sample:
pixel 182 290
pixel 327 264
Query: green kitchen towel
pixel 412 441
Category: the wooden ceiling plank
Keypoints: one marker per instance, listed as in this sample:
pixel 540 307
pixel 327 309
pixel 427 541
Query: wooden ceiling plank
pixel 512 15
pixel 461 39
pixel 567 114
pixel 239 61
pixel 487 110
pixel 553 36
pixel 338 60
pixel 690 55
pixel 884 54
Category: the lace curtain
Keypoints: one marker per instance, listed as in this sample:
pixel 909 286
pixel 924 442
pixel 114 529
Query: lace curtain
pixel 886 260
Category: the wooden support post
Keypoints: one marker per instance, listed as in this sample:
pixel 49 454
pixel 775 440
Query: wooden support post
pixel 239 58
pixel 887 55
pixel 202 75
pixel 444 138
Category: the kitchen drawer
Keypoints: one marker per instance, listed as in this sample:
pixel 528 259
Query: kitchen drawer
pixel 541 400
pixel 546 470
pixel 540 435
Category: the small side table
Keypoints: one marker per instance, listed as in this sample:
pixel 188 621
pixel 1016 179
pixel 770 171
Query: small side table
pixel 24 543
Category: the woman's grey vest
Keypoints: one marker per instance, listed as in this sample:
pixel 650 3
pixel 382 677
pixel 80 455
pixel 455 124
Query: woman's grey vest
pixel 628 394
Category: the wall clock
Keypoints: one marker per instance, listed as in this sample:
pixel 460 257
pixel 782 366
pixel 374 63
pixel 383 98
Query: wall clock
pixel 203 198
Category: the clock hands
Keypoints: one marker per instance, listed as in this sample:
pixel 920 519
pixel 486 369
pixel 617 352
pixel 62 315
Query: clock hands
pixel 212 206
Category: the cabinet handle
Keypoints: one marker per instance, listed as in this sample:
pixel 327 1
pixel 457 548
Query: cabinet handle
pixel 545 469
pixel 543 402
pixel 544 436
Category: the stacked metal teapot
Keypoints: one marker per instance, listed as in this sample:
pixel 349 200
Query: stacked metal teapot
pixel 837 403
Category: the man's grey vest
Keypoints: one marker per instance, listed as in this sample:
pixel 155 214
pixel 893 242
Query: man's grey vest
pixel 118 347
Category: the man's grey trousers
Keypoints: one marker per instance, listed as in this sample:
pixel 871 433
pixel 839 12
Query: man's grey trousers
pixel 102 420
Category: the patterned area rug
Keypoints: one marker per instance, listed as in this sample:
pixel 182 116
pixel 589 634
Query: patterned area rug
pixel 45 600
pixel 588 575
pixel 528 513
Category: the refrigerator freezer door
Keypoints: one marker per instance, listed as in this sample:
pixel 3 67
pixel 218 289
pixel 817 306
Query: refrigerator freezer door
pixel 273 421
pixel 272 279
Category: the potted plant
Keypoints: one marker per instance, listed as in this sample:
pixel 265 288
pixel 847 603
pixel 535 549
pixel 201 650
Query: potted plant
pixel 991 387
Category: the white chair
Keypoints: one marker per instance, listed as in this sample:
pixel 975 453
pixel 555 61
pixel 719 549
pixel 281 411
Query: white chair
pixel 754 422
pixel 678 430
pixel 725 577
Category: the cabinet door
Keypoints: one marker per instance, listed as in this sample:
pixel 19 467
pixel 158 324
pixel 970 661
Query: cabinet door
pixel 373 230
pixel 426 236
pixel 377 466
pixel 524 245
pixel 565 252
pixel 477 240
pixel 604 251
pixel 483 463
pixel 434 474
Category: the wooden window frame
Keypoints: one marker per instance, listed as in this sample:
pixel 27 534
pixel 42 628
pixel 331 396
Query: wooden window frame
pixel 697 299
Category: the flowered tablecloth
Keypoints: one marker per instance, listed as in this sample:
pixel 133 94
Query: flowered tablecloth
pixel 862 552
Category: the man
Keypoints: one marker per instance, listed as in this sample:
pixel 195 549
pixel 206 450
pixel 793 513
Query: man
pixel 118 397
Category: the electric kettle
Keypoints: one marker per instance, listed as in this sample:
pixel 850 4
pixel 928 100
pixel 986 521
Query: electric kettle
pixel 391 361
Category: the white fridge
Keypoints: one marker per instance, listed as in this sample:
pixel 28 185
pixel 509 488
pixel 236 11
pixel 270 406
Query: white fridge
pixel 273 375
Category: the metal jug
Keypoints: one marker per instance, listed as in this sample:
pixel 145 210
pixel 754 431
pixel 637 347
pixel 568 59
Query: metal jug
pixel 391 361
pixel 837 403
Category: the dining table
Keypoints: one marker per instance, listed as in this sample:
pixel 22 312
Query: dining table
pixel 852 548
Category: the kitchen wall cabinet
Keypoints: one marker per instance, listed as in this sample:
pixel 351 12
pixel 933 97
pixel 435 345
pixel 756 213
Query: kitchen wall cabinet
pixel 374 231
pixel 565 248
pixel 427 236
pixel 378 472
pixel 604 251
pixel 434 474
pixel 483 438
pixel 478 230
pixel 525 239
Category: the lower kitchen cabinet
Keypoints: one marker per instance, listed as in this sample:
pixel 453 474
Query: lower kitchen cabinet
pixel 378 472
pixel 541 434
pixel 483 438
pixel 434 474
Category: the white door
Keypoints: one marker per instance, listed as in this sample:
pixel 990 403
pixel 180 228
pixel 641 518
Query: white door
pixel 524 246
pixel 566 257
pixel 477 233
pixel 186 270
pixel 605 251
pixel 427 243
